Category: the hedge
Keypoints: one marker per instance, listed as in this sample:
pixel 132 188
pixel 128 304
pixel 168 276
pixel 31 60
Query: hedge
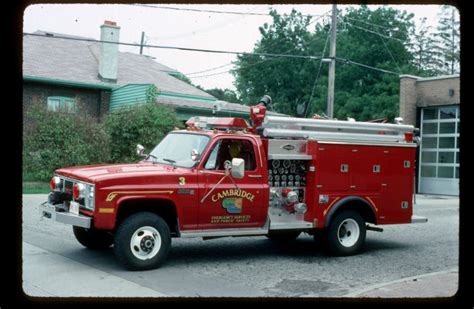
pixel 52 140
pixel 145 124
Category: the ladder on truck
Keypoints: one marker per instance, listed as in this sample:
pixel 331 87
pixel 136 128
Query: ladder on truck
pixel 336 130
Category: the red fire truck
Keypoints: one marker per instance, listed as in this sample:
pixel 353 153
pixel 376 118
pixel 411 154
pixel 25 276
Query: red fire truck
pixel 220 177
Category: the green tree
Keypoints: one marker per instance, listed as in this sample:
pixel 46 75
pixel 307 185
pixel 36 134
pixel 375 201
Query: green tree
pixel 448 36
pixel 284 79
pixel 426 55
pixel 376 38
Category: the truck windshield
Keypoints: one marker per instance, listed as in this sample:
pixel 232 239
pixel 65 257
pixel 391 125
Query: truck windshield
pixel 175 149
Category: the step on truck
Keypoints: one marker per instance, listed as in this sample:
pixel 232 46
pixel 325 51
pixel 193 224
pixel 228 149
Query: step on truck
pixel 219 177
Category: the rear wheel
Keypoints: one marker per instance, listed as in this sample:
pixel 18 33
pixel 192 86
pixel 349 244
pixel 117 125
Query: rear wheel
pixel 346 233
pixel 142 241
pixel 92 238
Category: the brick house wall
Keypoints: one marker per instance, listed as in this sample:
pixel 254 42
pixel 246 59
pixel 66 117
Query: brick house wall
pixel 91 102
pixel 417 92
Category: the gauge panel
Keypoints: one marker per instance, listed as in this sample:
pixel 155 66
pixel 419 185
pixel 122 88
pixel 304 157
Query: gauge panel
pixel 287 173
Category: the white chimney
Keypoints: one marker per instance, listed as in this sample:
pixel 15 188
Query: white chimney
pixel 108 59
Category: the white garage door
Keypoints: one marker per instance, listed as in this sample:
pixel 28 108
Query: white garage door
pixel 439 160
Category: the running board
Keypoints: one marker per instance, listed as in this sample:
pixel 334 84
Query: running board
pixel 225 232
pixel 295 225
pixel 373 228
pixel 418 219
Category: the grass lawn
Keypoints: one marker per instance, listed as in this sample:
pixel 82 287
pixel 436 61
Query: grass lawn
pixel 36 187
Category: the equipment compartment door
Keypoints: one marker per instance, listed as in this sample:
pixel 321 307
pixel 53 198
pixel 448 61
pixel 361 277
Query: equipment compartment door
pixel 232 203
pixel 334 168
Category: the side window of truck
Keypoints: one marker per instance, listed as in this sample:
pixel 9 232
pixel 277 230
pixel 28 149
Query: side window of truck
pixel 227 150
pixel 211 163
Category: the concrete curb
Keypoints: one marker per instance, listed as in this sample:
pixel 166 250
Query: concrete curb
pixel 437 284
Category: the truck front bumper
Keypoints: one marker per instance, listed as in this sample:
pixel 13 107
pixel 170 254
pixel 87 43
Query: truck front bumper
pixel 48 211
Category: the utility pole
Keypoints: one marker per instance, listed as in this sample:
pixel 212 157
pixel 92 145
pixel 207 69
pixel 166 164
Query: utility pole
pixel 332 64
pixel 142 41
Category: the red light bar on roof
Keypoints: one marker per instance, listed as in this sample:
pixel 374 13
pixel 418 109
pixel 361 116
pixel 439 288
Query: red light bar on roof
pixel 217 122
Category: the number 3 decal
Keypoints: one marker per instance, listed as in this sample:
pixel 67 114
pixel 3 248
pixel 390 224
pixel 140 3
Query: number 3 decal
pixel 182 181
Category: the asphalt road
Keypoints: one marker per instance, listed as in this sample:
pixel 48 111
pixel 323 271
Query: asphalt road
pixel 55 264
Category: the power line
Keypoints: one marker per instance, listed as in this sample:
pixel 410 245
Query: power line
pixel 390 53
pixel 317 77
pixel 209 11
pixel 347 61
pixel 344 60
pixel 381 38
pixel 371 24
pixel 208 75
pixel 211 69
pixel 370 31
pixel 201 30
pixel 264 48
pixel 174 47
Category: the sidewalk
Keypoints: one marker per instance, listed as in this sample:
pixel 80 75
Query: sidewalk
pixel 46 274
pixel 439 284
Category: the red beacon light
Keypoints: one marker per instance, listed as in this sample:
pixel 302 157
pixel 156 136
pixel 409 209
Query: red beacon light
pixel 217 123
pixel 409 137
pixel 258 112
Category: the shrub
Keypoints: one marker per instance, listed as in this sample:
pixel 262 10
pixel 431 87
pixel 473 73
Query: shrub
pixel 53 140
pixel 145 124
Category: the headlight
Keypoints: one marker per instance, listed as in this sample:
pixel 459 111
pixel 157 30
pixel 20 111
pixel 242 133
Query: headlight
pixel 78 190
pixel 55 184
pixel 85 192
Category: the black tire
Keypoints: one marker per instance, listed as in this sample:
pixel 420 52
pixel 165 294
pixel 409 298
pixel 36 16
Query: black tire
pixel 283 236
pixel 92 238
pixel 152 239
pixel 346 233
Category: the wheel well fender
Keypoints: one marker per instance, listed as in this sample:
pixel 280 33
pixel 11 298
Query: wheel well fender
pixel 357 203
pixel 164 208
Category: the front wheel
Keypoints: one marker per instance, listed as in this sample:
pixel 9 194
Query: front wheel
pixel 142 241
pixel 346 233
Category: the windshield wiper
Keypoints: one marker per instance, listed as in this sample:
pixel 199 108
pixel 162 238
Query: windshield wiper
pixel 150 155
pixel 170 161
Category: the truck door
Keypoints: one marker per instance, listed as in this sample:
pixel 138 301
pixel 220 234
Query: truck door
pixel 226 202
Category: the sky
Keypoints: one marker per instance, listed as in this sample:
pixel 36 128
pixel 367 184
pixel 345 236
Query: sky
pixel 203 30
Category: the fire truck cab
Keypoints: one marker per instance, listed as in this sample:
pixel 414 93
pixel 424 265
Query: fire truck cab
pixel 220 177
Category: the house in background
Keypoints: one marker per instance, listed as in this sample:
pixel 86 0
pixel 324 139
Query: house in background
pixel 93 78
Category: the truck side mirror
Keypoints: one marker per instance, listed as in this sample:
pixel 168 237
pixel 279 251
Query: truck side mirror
pixel 140 149
pixel 194 154
pixel 238 168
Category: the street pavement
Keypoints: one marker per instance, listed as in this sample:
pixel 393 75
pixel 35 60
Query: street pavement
pixel 417 260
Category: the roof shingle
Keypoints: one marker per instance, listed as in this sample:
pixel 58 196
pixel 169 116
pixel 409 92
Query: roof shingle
pixel 78 61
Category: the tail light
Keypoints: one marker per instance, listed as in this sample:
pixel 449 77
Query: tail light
pixel 55 183
pixel 78 191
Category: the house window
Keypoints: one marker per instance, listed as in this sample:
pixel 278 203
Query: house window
pixel 62 104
